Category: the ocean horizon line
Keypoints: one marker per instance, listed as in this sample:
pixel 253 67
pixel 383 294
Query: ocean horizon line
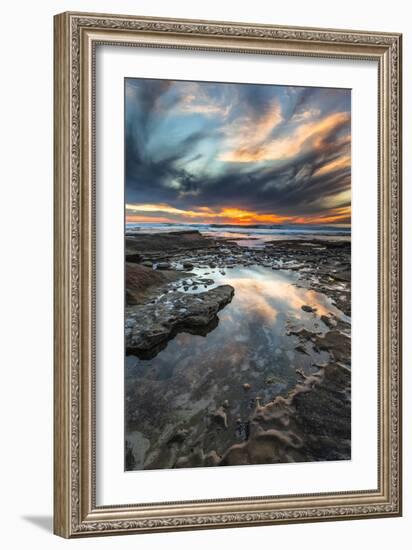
pixel 244 226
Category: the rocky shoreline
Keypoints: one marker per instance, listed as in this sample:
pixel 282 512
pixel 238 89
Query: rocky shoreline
pixel 171 289
pixel 150 326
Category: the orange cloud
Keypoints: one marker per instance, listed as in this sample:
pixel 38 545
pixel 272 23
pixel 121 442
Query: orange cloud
pixel 155 208
pixel 157 212
pixel 313 132
pixel 250 132
pixel 163 213
pixel 334 215
pixel 197 101
pixel 258 131
pixel 337 164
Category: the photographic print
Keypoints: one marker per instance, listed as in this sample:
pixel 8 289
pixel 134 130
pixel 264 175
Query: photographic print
pixel 237 274
pixel 227 203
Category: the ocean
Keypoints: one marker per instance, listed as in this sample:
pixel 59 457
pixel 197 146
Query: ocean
pixel 250 235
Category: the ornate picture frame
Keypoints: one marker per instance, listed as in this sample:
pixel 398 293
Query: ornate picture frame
pixel 76 36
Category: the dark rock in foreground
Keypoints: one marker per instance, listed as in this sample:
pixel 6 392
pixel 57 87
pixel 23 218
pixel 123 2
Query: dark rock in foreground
pixel 150 326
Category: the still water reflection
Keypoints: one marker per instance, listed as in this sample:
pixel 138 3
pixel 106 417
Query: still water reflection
pixel 251 345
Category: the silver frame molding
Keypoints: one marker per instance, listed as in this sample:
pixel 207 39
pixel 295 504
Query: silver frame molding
pixel 76 36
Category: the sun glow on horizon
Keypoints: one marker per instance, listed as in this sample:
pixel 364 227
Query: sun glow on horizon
pixel 164 213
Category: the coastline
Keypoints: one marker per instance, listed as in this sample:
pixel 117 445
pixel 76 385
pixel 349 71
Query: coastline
pixel 176 289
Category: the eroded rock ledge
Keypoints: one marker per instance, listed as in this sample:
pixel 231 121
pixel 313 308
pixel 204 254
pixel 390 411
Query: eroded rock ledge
pixel 150 326
pixel 312 423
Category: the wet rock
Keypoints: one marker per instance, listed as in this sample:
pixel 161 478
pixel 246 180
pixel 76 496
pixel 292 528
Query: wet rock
pixel 211 459
pixel 220 417
pixel 154 324
pixel 179 436
pixel 195 458
pixel 246 386
pixel 143 283
pixel 130 298
pixel 163 265
pixel 343 276
pixel 337 344
pixel 206 282
pixel 308 309
pixel 129 456
pixel 301 349
pixel 242 429
pixel 303 334
pixel 188 265
pixel 133 258
pixel 328 321
pixel 149 245
pixel 311 423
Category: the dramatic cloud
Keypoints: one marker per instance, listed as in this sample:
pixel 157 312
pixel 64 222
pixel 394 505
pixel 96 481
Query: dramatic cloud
pixel 236 153
pixel 309 135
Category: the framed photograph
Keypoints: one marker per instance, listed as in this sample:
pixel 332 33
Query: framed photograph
pixel 227 274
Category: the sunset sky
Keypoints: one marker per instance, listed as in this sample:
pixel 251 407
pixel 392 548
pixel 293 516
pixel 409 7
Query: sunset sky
pixel 199 152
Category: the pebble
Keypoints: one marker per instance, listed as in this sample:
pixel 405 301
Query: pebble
pixel 308 309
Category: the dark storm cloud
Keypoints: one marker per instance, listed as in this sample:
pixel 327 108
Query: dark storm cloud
pixel 270 149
